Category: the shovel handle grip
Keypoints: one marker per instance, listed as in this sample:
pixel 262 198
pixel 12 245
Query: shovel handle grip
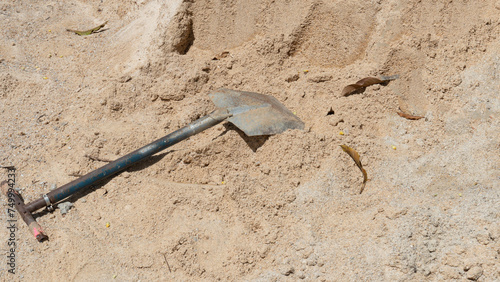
pixel 27 217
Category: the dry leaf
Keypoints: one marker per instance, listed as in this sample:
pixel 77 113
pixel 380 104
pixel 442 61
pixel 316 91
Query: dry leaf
pixel 7 166
pixel 221 55
pixel 88 32
pixel 355 156
pixel 365 82
pixel 407 116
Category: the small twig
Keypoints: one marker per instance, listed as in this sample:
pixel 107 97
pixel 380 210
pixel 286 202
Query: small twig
pixel 97 158
pixel 41 116
pixel 75 174
pixel 165 257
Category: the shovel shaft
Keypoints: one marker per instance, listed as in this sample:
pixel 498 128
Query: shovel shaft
pixel 128 160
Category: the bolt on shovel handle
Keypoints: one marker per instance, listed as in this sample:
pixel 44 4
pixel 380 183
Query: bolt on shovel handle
pixel 111 169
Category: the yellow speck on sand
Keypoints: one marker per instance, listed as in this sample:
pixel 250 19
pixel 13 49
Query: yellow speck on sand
pixel 107 224
pixel 341 132
pixel 393 147
pixel 45 77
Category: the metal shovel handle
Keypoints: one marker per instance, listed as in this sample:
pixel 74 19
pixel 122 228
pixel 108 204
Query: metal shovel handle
pixel 114 167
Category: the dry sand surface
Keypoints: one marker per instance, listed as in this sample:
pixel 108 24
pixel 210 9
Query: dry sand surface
pixel 224 206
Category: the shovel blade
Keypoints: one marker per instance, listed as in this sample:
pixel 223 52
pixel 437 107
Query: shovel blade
pixel 255 114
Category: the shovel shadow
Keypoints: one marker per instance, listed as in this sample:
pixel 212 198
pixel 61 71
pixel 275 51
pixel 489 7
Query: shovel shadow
pixel 254 142
pixel 137 167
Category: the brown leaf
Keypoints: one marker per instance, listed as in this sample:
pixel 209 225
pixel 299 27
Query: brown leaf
pixel 221 55
pixel 355 156
pixel 365 82
pixel 407 116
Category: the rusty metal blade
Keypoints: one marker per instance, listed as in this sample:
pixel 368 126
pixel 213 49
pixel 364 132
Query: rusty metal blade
pixel 254 113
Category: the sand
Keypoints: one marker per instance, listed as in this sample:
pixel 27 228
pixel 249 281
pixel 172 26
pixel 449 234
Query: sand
pixel 224 206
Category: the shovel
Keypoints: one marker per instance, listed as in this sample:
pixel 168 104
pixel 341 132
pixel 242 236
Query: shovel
pixel 253 113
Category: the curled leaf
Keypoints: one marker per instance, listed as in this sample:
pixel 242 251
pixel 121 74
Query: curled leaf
pixel 355 156
pixel 88 32
pixel 365 82
pixel 408 116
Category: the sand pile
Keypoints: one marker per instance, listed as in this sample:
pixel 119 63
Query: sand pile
pixel 224 206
